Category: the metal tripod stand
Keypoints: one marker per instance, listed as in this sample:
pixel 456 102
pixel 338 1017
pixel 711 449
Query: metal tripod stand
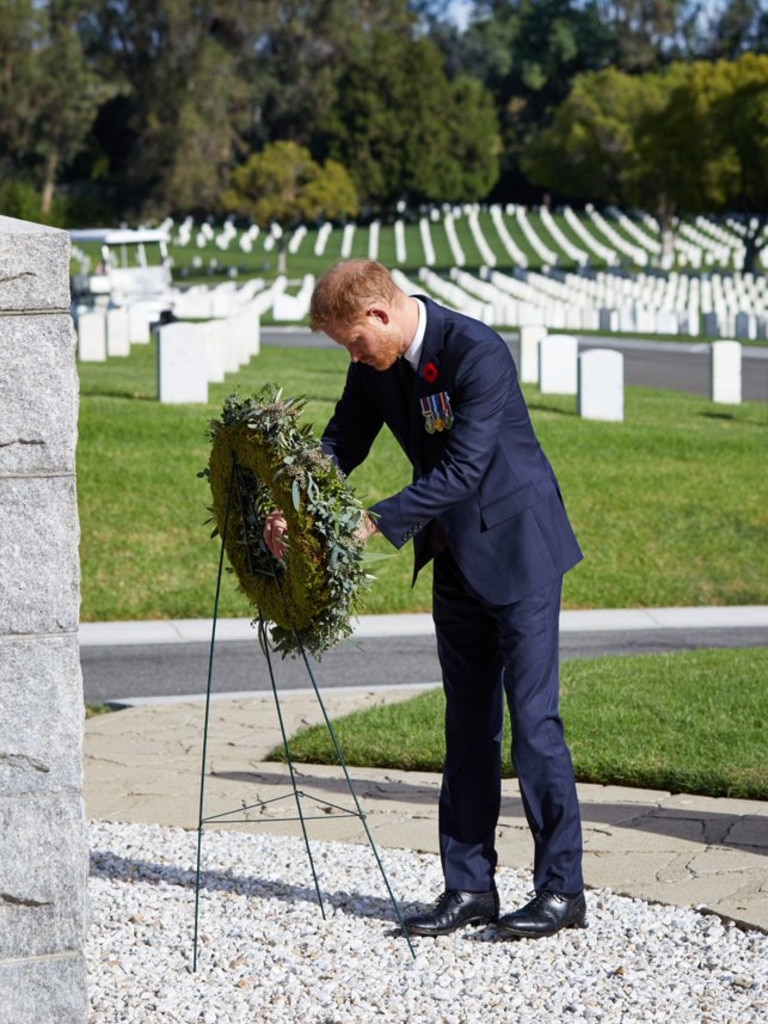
pixel 297 795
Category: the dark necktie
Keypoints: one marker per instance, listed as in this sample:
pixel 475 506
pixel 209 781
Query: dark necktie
pixel 407 377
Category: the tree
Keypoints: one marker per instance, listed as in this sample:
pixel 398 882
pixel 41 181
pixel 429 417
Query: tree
pixel 48 96
pixel 585 152
pixel 283 185
pixel 689 140
pixel 302 53
pixel 735 177
pixel 527 53
pixel 408 133
pixel 648 33
pixel 171 133
pixel 69 97
pixel 737 27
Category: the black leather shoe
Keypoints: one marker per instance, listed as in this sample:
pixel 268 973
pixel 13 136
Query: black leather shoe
pixel 453 910
pixel 546 914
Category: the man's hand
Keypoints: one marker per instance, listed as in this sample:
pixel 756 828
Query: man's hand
pixel 276 534
pixel 366 529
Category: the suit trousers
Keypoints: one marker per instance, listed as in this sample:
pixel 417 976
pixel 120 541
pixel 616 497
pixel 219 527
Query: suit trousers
pixel 488 651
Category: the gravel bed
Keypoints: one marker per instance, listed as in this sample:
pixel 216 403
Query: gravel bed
pixel 266 954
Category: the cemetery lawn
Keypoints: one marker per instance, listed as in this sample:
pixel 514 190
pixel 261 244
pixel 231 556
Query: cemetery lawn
pixel 693 722
pixel 671 506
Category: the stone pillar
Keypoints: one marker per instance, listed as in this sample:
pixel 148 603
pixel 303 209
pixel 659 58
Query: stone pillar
pixel 43 841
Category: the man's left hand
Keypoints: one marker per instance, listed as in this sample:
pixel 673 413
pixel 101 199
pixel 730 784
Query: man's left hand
pixel 366 529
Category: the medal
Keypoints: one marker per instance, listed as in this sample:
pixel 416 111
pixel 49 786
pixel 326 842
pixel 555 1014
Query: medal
pixel 437 412
pixel 445 408
pixel 428 413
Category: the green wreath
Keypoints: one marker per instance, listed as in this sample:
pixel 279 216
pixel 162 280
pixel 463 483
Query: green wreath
pixel 262 460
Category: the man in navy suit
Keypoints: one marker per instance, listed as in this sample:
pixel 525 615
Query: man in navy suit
pixel 484 503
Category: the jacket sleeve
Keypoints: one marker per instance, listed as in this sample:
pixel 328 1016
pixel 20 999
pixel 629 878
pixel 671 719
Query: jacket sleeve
pixel 355 423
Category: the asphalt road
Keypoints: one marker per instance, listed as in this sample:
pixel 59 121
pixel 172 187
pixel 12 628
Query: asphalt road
pixel 114 673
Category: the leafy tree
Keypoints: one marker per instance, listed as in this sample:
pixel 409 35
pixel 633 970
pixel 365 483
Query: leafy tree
pixel 408 133
pixel 737 27
pixel 735 169
pixel 283 185
pixel 18 33
pixel 689 140
pixel 648 33
pixel 527 53
pixel 586 150
pixel 301 55
pixel 48 95
pixel 172 131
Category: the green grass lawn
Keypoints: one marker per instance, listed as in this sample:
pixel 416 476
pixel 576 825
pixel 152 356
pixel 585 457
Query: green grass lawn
pixel 671 506
pixel 693 722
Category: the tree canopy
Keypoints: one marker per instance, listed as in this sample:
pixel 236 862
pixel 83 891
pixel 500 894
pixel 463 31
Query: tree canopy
pixel 690 139
pixel 113 109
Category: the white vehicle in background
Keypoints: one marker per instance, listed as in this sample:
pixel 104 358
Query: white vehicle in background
pixel 134 266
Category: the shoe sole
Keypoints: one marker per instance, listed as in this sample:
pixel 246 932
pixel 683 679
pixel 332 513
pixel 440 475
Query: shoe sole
pixel 521 933
pixel 477 922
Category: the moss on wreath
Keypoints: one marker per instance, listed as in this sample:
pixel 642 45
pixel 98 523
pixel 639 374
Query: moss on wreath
pixel 262 460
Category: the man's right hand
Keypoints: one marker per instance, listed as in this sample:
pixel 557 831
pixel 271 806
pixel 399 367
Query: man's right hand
pixel 276 534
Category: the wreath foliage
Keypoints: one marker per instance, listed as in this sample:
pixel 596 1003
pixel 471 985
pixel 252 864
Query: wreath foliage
pixel 261 460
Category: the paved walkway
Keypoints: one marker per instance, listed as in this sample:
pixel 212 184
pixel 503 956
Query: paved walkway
pixel 143 764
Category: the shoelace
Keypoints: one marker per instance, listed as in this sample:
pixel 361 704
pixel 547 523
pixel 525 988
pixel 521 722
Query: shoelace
pixel 539 897
pixel 445 900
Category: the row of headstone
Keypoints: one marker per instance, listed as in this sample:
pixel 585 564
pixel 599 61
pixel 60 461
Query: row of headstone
pixel 703 244
pixel 190 355
pixel 102 333
pixel 596 376
pixel 655 304
pixel 456 297
pixel 201 302
pixel 106 332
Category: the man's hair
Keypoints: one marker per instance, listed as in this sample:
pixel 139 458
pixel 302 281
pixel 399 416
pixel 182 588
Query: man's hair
pixel 343 292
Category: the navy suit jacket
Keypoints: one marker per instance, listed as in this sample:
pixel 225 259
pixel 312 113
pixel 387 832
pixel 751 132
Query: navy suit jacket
pixel 486 480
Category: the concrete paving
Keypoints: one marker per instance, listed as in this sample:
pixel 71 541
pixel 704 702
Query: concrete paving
pixel 144 763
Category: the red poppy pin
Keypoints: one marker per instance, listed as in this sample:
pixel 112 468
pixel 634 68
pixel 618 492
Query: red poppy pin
pixel 429 373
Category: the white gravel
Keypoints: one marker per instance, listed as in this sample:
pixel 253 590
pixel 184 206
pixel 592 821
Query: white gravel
pixel 266 953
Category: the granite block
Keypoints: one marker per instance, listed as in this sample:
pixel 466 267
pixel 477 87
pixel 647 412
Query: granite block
pixel 44 991
pixel 39 531
pixel 41 715
pixel 34 267
pixel 43 875
pixel 38 394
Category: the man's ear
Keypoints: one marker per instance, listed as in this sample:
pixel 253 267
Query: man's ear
pixel 378 313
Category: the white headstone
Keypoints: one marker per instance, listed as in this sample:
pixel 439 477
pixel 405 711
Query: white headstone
pixel 140 316
pixel 118 340
pixel 601 385
pixel 530 336
pixel 726 372
pixel 558 364
pixel 215 362
pixel 182 370
pixel 194 304
pixel 666 322
pixel 92 337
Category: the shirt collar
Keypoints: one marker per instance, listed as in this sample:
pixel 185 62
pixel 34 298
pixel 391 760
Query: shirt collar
pixel 413 352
